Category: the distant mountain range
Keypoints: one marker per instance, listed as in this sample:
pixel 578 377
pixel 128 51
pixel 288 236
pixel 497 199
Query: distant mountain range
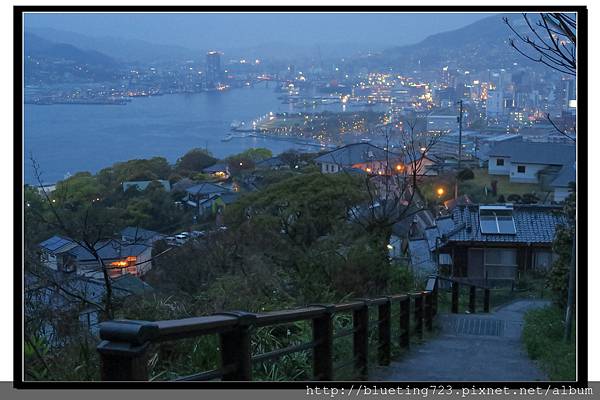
pixel 121 49
pixel 482 44
pixel 140 51
pixel 38 47
pixel 48 62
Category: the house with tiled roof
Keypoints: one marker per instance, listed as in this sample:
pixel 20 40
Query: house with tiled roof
pixel 529 162
pixel 65 255
pixel 561 185
pixel 370 159
pixel 492 243
pixel 207 197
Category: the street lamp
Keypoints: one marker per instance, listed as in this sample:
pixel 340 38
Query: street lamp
pixel 440 191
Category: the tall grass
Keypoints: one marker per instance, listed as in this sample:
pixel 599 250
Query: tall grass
pixel 543 338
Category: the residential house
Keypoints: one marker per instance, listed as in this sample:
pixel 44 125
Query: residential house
pixel 76 295
pixel 143 185
pixel 219 171
pixel 204 197
pixel 528 162
pixel 64 255
pixel 496 243
pixel 561 184
pixel 370 159
pixel 139 235
pixel 274 163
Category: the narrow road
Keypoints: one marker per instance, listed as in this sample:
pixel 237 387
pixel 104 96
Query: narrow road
pixel 471 347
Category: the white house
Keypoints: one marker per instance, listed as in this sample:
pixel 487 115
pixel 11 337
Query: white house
pixel 528 162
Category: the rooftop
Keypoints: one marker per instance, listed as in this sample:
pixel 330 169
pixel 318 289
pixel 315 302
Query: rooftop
pixel 356 153
pixel 533 224
pixel 534 153
pixel 135 233
pixel 206 188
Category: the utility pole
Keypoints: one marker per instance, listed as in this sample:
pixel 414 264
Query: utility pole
pixel 460 114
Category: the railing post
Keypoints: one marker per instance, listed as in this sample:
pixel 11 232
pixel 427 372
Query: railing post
pixel 385 332
pixel 360 319
pixel 486 300
pixel 123 350
pixel 322 329
pixel 472 291
pixel 455 294
pixel 419 315
pixel 236 349
pixel 432 287
pixel 428 311
pixel 405 322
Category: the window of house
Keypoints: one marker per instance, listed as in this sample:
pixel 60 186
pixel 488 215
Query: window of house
pixel 500 162
pixel 542 259
pixel 521 169
pixel 500 263
pixel 501 257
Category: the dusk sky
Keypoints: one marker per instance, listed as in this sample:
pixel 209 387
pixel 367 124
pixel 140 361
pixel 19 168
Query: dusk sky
pixel 239 30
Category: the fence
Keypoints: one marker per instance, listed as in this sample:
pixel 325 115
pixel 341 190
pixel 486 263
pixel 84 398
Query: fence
pixel 125 343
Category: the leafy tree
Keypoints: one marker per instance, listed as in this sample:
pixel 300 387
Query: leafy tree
pixel 256 154
pixel 558 279
pixel 194 160
pixel 465 174
pixel 239 163
pixel 305 206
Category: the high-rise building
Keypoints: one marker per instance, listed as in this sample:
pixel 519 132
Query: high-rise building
pixel 494 105
pixel 214 74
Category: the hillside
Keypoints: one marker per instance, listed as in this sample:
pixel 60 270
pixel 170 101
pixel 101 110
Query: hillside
pixel 480 45
pixel 48 62
pixel 122 49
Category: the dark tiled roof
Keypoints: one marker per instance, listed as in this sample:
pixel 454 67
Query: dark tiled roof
pixel 442 227
pixel 134 233
pixel 55 243
pixel 420 255
pixel 130 284
pixel 356 153
pixel 533 223
pixel 565 176
pixel 109 250
pixel 216 168
pixel 206 188
pixel 534 153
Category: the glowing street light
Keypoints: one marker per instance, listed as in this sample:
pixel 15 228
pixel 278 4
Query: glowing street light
pixel 440 191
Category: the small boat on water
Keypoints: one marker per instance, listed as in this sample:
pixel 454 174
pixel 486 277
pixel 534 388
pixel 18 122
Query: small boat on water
pixel 227 138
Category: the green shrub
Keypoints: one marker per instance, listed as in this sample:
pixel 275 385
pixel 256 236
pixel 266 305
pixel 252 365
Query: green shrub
pixel 543 338
pixel 465 174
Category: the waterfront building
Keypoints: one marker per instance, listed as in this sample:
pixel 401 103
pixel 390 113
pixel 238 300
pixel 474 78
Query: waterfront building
pixel 214 74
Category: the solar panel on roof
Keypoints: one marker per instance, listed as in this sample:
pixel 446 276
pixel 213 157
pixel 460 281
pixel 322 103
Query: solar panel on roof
pixel 488 224
pixel 506 225
pixel 496 220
